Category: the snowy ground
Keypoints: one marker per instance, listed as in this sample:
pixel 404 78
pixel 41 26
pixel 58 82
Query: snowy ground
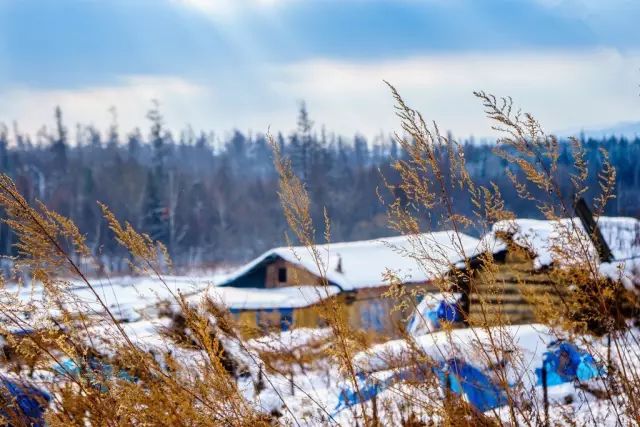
pixel 308 391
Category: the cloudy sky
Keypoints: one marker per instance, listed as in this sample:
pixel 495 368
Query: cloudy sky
pixel 220 64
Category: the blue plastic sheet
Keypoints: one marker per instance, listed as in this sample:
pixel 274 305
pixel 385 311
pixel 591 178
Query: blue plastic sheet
pixel 565 362
pixel 465 379
pixel 434 312
pixel 94 370
pixel 368 388
pixel 449 311
pixel 458 376
pixel 30 403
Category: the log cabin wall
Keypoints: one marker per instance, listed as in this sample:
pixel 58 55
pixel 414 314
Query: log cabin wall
pixel 254 323
pixel 371 311
pixel 367 310
pixel 503 294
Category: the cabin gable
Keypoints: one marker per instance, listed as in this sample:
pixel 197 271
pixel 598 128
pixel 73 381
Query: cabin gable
pixel 275 272
pixel 280 273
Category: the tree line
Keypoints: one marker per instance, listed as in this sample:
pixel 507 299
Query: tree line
pixel 213 199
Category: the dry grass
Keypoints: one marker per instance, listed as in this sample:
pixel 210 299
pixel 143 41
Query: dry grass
pixel 197 382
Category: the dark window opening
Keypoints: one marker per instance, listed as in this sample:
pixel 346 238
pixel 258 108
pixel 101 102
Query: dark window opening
pixel 282 275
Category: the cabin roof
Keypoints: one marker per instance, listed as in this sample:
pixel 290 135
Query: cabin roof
pixel 622 234
pixel 363 264
pixel 269 298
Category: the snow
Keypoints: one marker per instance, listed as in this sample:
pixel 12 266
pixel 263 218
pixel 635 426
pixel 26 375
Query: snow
pixel 269 298
pixel 126 297
pixel 292 340
pixel 544 237
pixel 529 342
pixel 363 264
pixel 521 350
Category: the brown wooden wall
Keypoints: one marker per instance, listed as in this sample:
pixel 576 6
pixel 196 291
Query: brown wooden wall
pixel 296 276
pixel 506 293
pixel 367 310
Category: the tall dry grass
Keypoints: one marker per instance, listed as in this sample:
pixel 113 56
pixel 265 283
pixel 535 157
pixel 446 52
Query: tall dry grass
pixel 195 380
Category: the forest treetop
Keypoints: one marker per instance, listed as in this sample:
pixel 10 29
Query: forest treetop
pixel 213 200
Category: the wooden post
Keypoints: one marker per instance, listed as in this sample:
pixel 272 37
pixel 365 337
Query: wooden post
pixel 291 383
pixel 609 351
pixel 592 229
pixel 374 408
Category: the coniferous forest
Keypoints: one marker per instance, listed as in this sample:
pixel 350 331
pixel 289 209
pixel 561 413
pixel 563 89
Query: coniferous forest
pixel 212 198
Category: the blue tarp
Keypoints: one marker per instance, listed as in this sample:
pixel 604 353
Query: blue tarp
pixel 465 379
pixel 432 311
pixel 564 363
pixel 368 387
pixel 95 370
pixel 460 377
pixel 29 402
pixel 449 312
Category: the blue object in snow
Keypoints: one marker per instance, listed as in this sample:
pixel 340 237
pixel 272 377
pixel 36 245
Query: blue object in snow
pixel 465 379
pixel 445 311
pixel 460 377
pixel 368 387
pixel 371 387
pixel 565 362
pixel 26 402
pixel 432 311
pixel 457 375
pixel 95 371
pixel 449 311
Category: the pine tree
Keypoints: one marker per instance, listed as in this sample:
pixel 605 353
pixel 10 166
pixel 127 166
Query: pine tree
pixel 155 210
pixel 305 142
pixel 59 144
pixel 154 213
pixel 113 137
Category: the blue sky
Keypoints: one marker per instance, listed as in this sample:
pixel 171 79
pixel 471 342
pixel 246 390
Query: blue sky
pixel 220 64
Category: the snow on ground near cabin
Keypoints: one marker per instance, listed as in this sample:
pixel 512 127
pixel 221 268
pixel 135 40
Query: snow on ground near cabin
pixel 362 264
pixel 309 395
pixel 473 344
pixel 314 400
pixel 622 234
pixel 129 298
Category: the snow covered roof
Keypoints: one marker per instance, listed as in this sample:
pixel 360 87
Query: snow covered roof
pixel 126 297
pixel 269 298
pixel 622 234
pixel 363 264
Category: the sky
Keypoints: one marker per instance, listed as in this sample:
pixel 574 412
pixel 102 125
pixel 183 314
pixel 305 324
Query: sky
pixel 247 64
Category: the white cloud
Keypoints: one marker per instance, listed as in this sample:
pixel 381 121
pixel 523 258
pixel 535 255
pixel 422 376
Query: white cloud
pixel 564 90
pixel 179 99
pixel 224 9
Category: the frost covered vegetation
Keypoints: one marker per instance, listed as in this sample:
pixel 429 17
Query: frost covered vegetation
pixel 198 192
pixel 184 362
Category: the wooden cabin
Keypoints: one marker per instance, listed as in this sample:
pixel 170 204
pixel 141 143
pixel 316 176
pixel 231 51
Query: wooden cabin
pixel 523 255
pixel 356 273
